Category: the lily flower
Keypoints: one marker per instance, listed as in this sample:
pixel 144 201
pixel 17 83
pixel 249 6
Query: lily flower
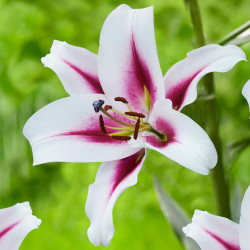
pixel 119 106
pixel 15 223
pixel 246 91
pixel 219 233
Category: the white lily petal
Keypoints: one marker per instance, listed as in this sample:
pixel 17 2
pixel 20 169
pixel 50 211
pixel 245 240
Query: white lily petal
pixel 15 223
pixel 246 91
pixel 111 180
pixel 127 59
pixel 68 130
pixel 213 232
pixel 244 226
pixel 186 142
pixel 181 80
pixel 76 67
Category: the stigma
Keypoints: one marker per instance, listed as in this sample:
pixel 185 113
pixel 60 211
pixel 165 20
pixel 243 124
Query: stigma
pixel 97 105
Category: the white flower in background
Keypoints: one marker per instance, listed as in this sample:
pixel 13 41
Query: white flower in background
pixel 213 232
pixel 141 110
pixel 246 91
pixel 15 223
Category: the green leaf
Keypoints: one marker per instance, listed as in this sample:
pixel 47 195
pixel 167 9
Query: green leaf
pixel 236 33
pixel 241 40
pixel 174 214
pixel 236 200
pixel 233 151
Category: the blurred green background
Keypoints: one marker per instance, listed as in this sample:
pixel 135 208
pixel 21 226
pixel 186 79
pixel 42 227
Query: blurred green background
pixel 57 192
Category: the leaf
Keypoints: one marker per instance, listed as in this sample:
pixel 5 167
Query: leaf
pixel 239 32
pixel 174 214
pixel 236 200
pixel 240 40
pixel 233 151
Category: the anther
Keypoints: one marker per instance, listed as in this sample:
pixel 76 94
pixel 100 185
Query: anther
pixel 107 107
pixel 137 126
pixel 135 114
pixel 121 138
pixel 97 105
pixel 101 121
pixel 121 99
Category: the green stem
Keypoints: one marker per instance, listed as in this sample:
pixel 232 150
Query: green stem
pixel 196 21
pixel 235 33
pixel 218 177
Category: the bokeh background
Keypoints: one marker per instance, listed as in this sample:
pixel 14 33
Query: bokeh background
pixel 57 192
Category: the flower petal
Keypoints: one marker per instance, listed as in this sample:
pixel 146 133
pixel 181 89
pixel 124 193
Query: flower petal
pixel 181 80
pixel 15 223
pixel 111 180
pixel 213 232
pixel 186 142
pixel 128 64
pixel 76 67
pixel 68 130
pixel 246 91
pixel 244 227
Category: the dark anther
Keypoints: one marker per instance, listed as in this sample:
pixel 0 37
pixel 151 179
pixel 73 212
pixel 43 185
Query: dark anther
pixel 97 105
pixel 107 107
pixel 135 114
pixel 137 126
pixel 121 138
pixel 101 121
pixel 121 99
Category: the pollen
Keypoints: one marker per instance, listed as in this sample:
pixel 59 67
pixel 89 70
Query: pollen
pixel 121 137
pixel 135 114
pixel 121 99
pixel 137 126
pixel 107 107
pixel 102 126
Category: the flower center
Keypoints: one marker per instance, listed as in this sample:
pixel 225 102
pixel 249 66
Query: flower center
pixel 127 129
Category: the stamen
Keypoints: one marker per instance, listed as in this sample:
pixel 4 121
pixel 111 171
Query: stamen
pixel 118 128
pixel 115 119
pixel 129 107
pixel 121 99
pixel 97 105
pixel 101 121
pixel 135 114
pixel 137 126
pixel 120 113
pixel 107 107
pixel 121 137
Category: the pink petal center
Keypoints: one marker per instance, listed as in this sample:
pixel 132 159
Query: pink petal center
pixel 125 168
pixel 93 81
pixel 227 245
pixel 164 128
pixel 178 92
pixel 96 136
pixel 6 230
